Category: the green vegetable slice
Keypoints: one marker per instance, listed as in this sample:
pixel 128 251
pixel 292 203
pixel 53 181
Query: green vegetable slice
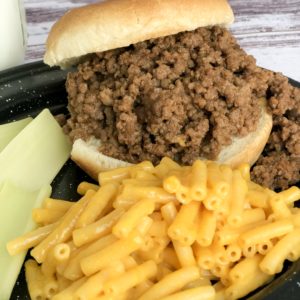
pixel 28 164
pixel 10 130
pixel 16 204
pixel 34 157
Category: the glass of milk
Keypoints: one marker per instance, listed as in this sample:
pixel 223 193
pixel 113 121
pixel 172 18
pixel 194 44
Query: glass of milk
pixel 12 33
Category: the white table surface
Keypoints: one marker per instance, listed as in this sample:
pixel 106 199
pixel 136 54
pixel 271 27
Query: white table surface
pixel 267 29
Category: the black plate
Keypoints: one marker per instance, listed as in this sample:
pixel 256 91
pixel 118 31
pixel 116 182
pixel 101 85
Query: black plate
pixel 25 91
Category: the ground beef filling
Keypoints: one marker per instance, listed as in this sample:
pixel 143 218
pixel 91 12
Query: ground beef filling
pixel 184 96
pixel 279 165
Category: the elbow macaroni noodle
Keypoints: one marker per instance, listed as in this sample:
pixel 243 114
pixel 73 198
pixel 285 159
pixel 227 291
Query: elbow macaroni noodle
pixel 162 232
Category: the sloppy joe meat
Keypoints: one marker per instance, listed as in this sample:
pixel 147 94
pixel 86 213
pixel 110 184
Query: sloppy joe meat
pixel 183 96
pixel 279 165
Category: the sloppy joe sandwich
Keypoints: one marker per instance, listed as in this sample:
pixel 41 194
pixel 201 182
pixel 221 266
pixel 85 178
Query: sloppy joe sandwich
pixel 160 78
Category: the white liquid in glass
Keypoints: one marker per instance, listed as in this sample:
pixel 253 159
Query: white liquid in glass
pixel 12 33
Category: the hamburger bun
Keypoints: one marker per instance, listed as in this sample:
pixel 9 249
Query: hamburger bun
pixel 119 23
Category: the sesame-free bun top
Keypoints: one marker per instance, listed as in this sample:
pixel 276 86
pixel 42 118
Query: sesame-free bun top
pixel 118 23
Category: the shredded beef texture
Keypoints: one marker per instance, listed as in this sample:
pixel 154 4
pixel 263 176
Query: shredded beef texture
pixel 183 96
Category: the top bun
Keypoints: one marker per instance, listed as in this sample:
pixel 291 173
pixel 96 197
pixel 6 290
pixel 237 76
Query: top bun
pixel 118 23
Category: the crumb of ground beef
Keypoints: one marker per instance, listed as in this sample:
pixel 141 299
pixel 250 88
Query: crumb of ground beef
pixel 61 119
pixel 183 96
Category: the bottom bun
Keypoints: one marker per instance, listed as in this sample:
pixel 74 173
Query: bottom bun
pixel 242 150
pixel 89 159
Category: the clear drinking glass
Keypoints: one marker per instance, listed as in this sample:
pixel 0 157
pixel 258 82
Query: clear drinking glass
pixel 12 33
